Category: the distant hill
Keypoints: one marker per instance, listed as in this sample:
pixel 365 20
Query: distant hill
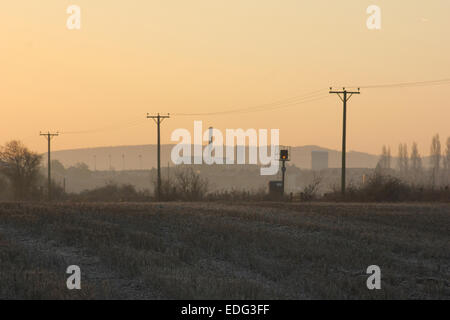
pixel 301 157
pixel 144 157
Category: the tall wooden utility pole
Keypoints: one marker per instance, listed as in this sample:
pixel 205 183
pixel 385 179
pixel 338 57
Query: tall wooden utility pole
pixel 49 136
pixel 344 95
pixel 158 120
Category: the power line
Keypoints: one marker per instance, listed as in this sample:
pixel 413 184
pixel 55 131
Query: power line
pixel 406 84
pixel 282 102
pixel 283 106
pixel 275 105
pixel 312 99
pixel 108 128
pixel 312 96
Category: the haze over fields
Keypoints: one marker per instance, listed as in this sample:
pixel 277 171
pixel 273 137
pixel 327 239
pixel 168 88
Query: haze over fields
pixel 99 157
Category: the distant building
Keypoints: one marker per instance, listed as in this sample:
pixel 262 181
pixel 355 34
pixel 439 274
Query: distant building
pixel 319 160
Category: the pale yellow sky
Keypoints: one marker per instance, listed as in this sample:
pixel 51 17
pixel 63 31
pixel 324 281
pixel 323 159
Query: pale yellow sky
pixel 137 56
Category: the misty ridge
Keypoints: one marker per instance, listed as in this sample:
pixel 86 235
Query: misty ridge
pixel 136 165
pixel 144 157
pixel 128 173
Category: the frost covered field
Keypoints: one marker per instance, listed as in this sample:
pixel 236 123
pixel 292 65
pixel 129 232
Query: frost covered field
pixel 224 251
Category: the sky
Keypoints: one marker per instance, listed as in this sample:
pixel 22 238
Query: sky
pixel 136 57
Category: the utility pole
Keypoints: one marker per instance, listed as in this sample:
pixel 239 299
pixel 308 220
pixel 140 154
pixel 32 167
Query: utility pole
pixel 284 156
pixel 158 119
pixel 283 175
pixel 344 95
pixel 49 136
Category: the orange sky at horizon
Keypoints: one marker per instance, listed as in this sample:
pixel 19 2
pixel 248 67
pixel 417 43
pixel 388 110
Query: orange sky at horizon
pixel 133 57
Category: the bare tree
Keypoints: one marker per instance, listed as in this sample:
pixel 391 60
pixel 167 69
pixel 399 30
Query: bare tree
pixel 435 158
pixel 385 159
pixel 310 191
pixel 402 161
pixel 21 167
pixel 388 158
pixel 190 184
pixel 415 163
pixel 447 161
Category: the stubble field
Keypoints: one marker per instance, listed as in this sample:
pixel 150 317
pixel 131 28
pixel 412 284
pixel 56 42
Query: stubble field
pixel 224 251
